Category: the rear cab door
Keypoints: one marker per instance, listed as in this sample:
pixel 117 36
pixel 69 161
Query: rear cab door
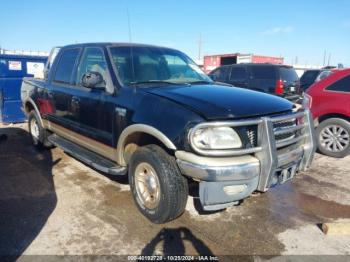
pixel 60 88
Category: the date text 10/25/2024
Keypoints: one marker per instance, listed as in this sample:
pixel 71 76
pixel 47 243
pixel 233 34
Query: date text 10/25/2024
pixel 172 258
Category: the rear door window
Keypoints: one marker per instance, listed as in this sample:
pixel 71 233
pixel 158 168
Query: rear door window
pixel 238 74
pixel 65 66
pixel 263 72
pixel 342 85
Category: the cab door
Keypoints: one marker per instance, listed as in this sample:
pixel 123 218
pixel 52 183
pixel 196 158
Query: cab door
pixel 88 105
pixel 59 93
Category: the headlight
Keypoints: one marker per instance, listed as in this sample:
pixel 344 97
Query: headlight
pixel 216 138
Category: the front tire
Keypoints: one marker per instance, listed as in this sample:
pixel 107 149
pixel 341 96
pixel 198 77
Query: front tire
pixel 333 137
pixel 159 189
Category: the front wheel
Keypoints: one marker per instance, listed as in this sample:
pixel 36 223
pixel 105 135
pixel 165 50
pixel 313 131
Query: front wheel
pixel 333 137
pixel 159 190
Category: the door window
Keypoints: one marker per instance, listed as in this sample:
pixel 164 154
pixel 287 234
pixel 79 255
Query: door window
pixel 263 72
pixel 93 60
pixel 238 74
pixel 342 85
pixel 66 65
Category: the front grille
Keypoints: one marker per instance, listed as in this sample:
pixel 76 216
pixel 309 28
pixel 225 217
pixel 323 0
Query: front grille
pixel 285 125
pixel 287 130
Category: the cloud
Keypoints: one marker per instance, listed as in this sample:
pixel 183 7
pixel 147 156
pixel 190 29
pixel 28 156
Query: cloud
pixel 278 30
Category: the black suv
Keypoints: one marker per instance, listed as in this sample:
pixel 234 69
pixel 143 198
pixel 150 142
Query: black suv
pixel 151 113
pixel 279 80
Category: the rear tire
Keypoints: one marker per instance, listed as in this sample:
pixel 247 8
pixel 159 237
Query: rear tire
pixel 159 189
pixel 37 132
pixel 333 137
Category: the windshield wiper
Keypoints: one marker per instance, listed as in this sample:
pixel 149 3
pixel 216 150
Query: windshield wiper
pixel 208 83
pixel 153 82
pixel 200 82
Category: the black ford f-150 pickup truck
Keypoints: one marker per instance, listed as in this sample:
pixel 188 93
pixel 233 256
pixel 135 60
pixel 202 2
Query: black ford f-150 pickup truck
pixel 151 113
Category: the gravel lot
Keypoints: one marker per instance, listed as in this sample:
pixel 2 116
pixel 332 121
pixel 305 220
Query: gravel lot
pixel 52 204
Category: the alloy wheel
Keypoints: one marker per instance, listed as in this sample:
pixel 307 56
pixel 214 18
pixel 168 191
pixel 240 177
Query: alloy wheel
pixel 147 185
pixel 334 138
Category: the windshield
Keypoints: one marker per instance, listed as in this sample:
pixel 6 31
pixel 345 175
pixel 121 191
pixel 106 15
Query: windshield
pixel 142 65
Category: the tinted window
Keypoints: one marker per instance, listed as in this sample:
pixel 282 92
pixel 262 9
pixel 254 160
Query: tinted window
pixel 309 76
pixel 263 72
pixel 93 60
pixel 220 74
pixel 288 74
pixel 342 85
pixel 238 73
pixel 65 66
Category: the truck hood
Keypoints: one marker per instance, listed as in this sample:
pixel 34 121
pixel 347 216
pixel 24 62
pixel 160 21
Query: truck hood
pixel 223 102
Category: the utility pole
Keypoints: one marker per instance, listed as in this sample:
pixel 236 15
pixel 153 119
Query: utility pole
pixel 329 58
pixel 324 58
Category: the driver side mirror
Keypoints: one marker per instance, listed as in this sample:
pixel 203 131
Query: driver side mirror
pixel 93 79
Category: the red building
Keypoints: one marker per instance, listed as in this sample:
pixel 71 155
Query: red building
pixel 213 61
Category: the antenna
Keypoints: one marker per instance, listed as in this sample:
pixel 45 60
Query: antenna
pixel 129 26
pixel 131 51
pixel 200 42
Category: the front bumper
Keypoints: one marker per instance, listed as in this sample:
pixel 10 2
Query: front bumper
pixel 226 180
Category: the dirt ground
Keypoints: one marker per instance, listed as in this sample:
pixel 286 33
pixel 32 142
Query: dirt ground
pixel 52 204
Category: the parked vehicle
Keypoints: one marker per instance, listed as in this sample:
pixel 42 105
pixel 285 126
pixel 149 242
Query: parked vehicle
pixel 274 79
pixel 330 107
pixel 309 77
pixel 152 113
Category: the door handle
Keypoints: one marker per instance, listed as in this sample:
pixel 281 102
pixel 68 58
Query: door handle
pixel 75 102
pixel 75 99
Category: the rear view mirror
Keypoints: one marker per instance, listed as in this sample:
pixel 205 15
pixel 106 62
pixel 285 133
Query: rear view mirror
pixel 93 80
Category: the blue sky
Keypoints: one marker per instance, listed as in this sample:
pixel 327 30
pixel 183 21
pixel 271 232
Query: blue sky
pixel 302 29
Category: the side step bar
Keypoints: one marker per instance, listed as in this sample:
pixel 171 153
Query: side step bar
pixel 90 158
